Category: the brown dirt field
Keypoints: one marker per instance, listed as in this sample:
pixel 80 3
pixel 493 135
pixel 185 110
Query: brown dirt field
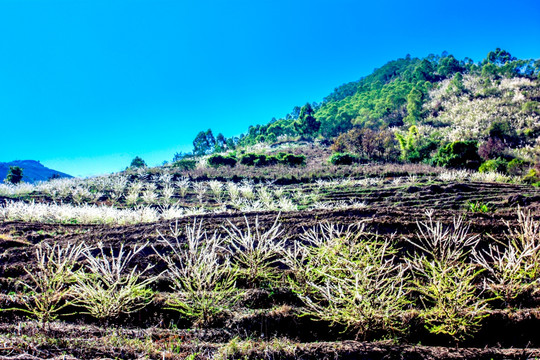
pixel 506 334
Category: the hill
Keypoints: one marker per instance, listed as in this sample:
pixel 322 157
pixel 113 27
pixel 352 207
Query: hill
pixel 32 170
pixel 430 110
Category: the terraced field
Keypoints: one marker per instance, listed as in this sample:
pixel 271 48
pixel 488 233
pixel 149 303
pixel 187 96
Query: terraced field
pixel 268 321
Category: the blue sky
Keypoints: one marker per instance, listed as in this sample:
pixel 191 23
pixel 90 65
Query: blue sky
pixel 86 85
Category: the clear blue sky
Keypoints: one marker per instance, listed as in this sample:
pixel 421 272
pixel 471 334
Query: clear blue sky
pixel 85 86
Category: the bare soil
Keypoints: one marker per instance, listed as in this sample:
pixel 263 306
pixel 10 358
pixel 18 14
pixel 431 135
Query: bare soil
pixel 265 315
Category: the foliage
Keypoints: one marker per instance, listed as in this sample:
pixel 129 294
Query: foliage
pixel 137 162
pixel 448 66
pixel 48 289
pixel 517 167
pixel 503 131
pixel 255 252
pixel 445 281
pixel 369 145
pixel 439 91
pixel 495 165
pixel 348 277
pixel 307 124
pixel 459 154
pixel 531 108
pixel 414 106
pixel 479 207
pixel 218 160
pixel 291 159
pixel 14 175
pixel 532 177
pixel 413 147
pixel 514 266
pixel 201 275
pixel 204 143
pixel 492 148
pixel 456 85
pixel 252 159
pixel 107 288
pixel 342 159
pixel 185 164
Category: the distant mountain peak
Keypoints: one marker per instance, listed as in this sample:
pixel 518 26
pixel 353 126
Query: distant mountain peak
pixel 33 170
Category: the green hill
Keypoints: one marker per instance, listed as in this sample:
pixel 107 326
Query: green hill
pixel 414 110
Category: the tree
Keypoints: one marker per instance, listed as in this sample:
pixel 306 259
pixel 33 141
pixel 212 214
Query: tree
pixel 456 84
pixel 204 143
pixel 179 156
pixel 232 142
pixel 307 124
pixel 489 70
pixel 424 71
pixel 137 162
pixel 408 144
pixel 221 143
pixel 293 115
pixel 15 175
pixel 448 66
pixel 459 154
pixel 499 57
pixel 414 106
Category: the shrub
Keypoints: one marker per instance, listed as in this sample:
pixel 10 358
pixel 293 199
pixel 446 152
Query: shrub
pixel 479 207
pixel 108 289
pixel 532 177
pixel 265 160
pixel 531 108
pixel 15 175
pixel 349 277
pixel 514 267
pixel 220 160
pixel 203 281
pixel 185 164
pixel 49 281
pixel 216 188
pixel 137 162
pixel 293 160
pixel 503 130
pixel 342 159
pixel 492 148
pixel 496 165
pixel 445 280
pixel 517 167
pixel 252 159
pixel 255 252
pixel 459 154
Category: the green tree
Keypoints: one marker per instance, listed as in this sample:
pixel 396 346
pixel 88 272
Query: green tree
pixel 456 84
pixel 459 154
pixel 137 162
pixel 307 124
pixel 499 57
pixel 204 143
pixel 15 175
pixel 414 106
pixel 408 144
pixel 449 66
pixel 489 71
pixel 221 143
pixel 424 71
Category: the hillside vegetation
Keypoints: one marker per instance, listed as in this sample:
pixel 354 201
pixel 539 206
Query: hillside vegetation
pixel 428 110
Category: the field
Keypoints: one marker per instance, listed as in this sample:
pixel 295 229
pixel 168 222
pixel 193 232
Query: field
pixel 395 261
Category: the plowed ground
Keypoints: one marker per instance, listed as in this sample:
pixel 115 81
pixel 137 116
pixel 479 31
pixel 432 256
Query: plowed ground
pixel 265 315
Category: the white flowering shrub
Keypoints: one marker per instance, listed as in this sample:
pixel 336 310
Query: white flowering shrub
pixel 468 115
